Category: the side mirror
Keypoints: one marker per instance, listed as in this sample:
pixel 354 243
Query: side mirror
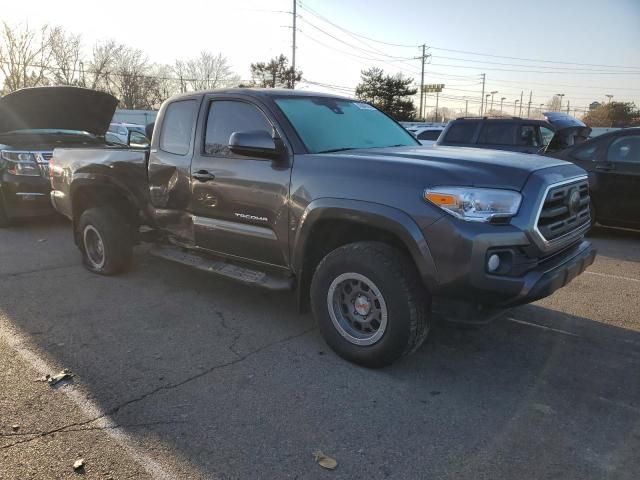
pixel 258 143
pixel 137 140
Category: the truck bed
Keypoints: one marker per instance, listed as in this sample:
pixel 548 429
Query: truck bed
pixel 110 167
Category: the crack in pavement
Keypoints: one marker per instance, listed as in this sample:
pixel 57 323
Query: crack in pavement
pixel 38 270
pixel 68 429
pixel 169 386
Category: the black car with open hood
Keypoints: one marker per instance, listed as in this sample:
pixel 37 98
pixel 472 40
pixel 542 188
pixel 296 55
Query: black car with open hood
pixel 34 121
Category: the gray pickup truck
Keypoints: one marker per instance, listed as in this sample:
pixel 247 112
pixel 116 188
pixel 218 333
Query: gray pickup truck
pixel 328 196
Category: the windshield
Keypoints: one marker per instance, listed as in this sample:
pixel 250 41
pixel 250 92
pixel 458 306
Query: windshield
pixel 330 125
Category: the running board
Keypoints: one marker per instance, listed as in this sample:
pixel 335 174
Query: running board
pixel 218 266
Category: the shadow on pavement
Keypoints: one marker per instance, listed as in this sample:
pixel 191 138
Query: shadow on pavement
pixel 235 382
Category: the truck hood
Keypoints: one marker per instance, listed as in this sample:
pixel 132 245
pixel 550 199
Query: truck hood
pixel 569 131
pixel 460 165
pixel 60 108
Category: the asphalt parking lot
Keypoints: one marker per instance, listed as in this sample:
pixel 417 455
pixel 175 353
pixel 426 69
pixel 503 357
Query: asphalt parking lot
pixel 181 375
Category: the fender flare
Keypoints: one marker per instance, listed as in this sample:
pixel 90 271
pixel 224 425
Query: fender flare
pixel 381 216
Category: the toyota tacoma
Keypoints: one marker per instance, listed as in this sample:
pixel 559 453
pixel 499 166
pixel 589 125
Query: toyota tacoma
pixel 329 196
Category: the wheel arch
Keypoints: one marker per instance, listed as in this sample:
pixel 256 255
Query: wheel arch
pixel 329 223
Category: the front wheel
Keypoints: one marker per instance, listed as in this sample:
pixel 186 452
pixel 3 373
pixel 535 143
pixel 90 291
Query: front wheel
pixel 105 241
pixel 370 304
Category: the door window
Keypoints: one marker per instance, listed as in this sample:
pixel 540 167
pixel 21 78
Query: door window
pixel 229 116
pixel 528 136
pixel 177 127
pixel 587 153
pixel 461 132
pixel 625 149
pixel 429 135
pixel 497 133
pixel 546 134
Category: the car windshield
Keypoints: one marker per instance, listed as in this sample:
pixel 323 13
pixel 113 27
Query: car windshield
pixel 332 124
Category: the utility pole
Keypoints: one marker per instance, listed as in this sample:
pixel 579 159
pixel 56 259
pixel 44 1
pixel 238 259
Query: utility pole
pixel 435 117
pixel 293 53
pixel 484 77
pixel 466 107
pixel 515 106
pixel 529 105
pixel 423 60
pixel 568 103
pixel 520 112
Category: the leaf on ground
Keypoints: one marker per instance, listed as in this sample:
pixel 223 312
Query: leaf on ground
pixel 325 461
pixel 78 464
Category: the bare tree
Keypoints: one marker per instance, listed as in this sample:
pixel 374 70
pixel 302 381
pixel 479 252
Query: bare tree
pixel 165 85
pixel 95 74
pixel 25 56
pixel 65 57
pixel 205 72
pixel 554 104
pixel 131 80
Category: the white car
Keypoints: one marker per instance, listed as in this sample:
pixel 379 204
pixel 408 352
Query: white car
pixel 426 135
pixel 119 132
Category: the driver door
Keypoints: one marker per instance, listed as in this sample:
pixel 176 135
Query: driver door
pixel 239 202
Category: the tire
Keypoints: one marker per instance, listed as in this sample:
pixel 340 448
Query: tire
pixel 105 241
pixel 370 304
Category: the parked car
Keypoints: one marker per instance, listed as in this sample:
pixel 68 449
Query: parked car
pixel 373 231
pixel 514 134
pixel 119 132
pixel 613 163
pixel 426 135
pixel 31 126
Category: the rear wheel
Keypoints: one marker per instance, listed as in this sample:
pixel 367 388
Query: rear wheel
pixel 105 241
pixel 369 303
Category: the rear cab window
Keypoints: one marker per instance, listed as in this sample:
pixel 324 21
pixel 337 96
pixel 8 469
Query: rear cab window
pixel 461 132
pixel 178 127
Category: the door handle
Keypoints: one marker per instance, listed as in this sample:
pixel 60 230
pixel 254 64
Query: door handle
pixel 203 176
pixel 607 167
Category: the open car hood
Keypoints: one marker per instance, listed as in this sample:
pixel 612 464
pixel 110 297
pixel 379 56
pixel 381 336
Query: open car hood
pixel 569 131
pixel 63 108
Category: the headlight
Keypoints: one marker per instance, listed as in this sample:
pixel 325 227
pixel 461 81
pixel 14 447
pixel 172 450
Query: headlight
pixel 475 204
pixel 21 163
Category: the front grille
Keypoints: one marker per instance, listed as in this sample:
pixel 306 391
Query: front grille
pixel 43 163
pixel 565 210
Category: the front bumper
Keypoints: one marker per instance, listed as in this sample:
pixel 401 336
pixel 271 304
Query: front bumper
pixel 460 251
pixel 24 196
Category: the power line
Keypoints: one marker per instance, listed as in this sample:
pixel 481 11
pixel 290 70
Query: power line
pixel 523 65
pixel 351 33
pixel 531 59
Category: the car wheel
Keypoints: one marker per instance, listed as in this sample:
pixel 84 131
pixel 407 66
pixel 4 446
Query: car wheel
pixel 370 304
pixel 105 241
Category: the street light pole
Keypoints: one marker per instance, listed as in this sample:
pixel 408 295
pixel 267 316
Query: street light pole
pixel 492 94
pixel 609 97
pixel 502 100
pixel 515 106
pixel 560 95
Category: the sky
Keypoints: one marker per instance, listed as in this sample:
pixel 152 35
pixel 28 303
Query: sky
pixel 584 49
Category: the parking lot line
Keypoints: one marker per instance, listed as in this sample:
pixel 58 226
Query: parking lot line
pixel 16 342
pixel 617 277
pixel 537 325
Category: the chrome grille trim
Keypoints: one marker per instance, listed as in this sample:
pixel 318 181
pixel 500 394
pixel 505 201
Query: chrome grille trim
pixel 581 219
